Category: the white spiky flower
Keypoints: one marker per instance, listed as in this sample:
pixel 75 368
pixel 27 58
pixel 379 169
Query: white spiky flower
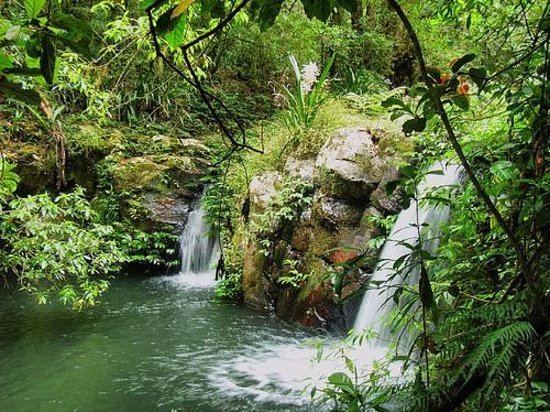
pixel 309 76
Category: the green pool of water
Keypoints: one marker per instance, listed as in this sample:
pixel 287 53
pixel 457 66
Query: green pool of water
pixel 153 344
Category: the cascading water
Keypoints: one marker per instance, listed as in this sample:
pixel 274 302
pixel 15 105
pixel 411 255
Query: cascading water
pixel 199 252
pixel 198 248
pixel 276 371
pixel 376 303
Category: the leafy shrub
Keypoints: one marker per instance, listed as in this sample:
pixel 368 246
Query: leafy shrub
pixel 8 179
pixel 58 248
pixel 229 289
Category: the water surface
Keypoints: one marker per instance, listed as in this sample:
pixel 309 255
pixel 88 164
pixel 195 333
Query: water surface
pixel 152 344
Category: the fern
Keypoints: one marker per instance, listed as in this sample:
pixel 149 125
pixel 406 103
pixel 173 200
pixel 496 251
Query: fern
pixel 497 351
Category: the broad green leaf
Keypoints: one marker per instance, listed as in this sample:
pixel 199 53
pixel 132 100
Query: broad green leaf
pixel 146 4
pixel 319 9
pixel 417 124
pixel 78 29
pixel 268 12
pixel 5 62
pixel 461 101
pixel 33 7
pixel 33 48
pixel 182 6
pixel 467 58
pixel 478 75
pixel 176 36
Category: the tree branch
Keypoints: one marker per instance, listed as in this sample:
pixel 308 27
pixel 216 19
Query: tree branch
pixel 453 138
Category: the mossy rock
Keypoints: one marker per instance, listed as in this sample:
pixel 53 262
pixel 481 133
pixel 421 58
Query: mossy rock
pixel 35 165
pixel 154 173
pixel 253 284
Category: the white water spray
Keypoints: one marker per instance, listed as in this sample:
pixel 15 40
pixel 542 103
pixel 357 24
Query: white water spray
pixel 199 252
pixel 377 303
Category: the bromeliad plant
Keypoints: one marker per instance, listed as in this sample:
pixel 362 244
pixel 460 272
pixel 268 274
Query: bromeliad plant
pixel 308 94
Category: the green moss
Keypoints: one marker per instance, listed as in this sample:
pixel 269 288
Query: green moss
pixel 89 138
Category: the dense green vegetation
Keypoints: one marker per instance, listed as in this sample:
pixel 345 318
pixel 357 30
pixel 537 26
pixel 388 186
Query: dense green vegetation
pixel 107 105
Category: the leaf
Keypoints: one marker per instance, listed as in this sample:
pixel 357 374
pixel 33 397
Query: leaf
pixel 33 48
pixel 392 101
pixel 478 75
pixel 182 6
pixel 391 186
pixel 147 4
pixel 461 101
pixel 79 29
pixel 164 23
pixel 47 59
pixel 417 124
pixel 467 58
pixel 269 10
pixel 176 36
pixel 5 62
pixel 319 9
pixel 33 7
pixel 215 8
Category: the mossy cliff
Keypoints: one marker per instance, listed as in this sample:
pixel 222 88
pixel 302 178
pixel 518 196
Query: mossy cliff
pixel 145 178
pixel 313 215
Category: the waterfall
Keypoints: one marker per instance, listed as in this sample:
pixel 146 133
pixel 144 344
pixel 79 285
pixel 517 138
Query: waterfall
pixel 377 302
pixel 199 249
pixel 199 252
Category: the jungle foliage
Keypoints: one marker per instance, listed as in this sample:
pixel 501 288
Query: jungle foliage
pixel 475 92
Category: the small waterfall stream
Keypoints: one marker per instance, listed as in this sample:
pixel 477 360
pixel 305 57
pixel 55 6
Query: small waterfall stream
pixel 376 302
pixel 284 368
pixel 199 249
pixel 276 371
pixel 199 252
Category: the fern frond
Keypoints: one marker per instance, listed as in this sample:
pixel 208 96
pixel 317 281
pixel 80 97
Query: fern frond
pixel 497 351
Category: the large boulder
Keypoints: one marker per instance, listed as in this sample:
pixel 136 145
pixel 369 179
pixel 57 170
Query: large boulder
pixel 262 189
pixel 389 204
pixel 165 210
pixel 253 283
pixel 349 164
pixel 301 168
pixel 336 212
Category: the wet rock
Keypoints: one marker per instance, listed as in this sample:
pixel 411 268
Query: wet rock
pixel 387 204
pixel 337 212
pixel 165 210
pixel 349 165
pixel 370 214
pixel 253 283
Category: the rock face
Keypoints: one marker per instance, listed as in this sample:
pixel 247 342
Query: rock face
pixel 160 188
pixel 166 210
pixel 303 169
pixel 262 189
pixel 379 198
pixel 348 165
pixel 336 212
pixel 349 177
